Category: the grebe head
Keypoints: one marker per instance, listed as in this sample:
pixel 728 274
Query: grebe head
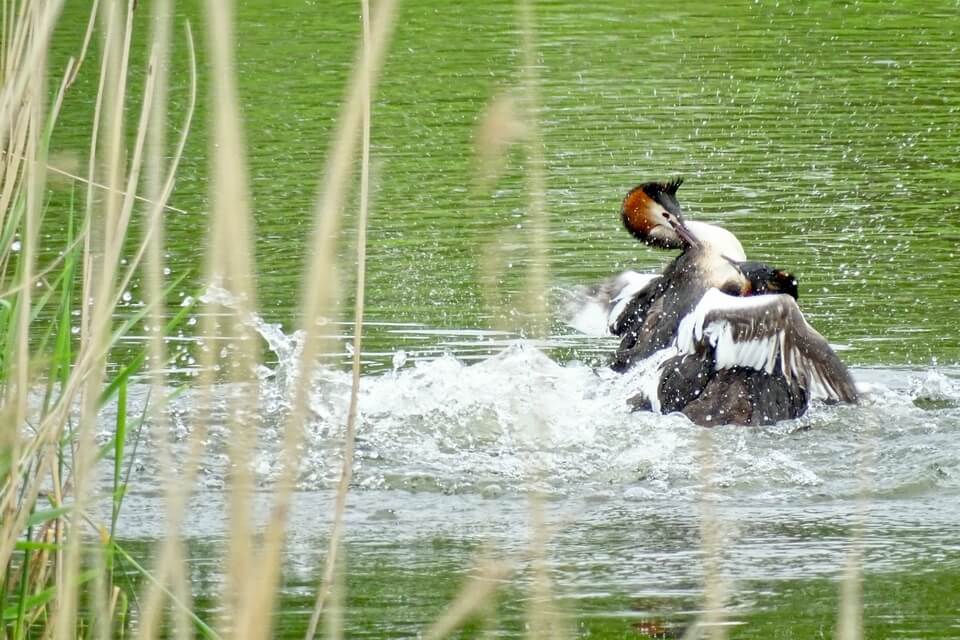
pixel 763 279
pixel 651 213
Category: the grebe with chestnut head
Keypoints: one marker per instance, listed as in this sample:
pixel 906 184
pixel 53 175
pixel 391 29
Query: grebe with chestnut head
pixel 724 336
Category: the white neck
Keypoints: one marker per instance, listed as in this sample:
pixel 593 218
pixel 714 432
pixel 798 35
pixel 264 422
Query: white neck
pixel 717 240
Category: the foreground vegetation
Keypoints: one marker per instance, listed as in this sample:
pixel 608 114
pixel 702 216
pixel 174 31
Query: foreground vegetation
pixel 59 326
pixel 60 329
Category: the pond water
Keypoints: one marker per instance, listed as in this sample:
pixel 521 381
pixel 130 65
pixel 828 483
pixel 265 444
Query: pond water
pixel 823 134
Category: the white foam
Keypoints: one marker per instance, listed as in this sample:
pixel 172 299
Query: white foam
pixel 521 417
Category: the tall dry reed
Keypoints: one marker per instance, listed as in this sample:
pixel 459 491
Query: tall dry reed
pixel 316 289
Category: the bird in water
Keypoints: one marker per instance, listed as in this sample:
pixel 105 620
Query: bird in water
pixel 722 337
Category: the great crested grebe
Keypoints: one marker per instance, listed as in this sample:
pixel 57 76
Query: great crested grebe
pixel 723 336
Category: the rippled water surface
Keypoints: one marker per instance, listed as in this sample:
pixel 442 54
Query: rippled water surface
pixel 823 134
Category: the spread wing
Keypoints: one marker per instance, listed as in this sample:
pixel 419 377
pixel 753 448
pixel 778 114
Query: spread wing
pixel 762 332
pixel 600 310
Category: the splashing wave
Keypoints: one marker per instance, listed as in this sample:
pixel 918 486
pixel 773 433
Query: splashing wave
pixel 520 419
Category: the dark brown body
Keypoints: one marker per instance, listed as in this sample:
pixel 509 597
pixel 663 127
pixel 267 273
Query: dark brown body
pixel 739 395
pixel 650 321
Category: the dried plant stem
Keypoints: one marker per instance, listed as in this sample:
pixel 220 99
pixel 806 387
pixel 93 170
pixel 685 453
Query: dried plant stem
pixel 850 614
pixel 230 266
pixel 537 273
pixel 35 178
pixel 36 33
pixel 334 560
pixel 542 619
pixel 711 621
pixel 850 619
pixel 169 558
pixel 120 192
pixel 101 265
pixel 473 597
pixel 22 95
pixel 34 186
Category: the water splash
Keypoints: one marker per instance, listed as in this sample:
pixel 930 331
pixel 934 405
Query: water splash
pixel 520 417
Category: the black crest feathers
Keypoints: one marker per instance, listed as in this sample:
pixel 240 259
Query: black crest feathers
pixel 659 191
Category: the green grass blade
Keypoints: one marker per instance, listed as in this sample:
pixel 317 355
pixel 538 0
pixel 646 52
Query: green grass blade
pixel 202 626
pixel 119 440
pixel 41 598
pixel 41 517
pixel 134 365
pixel 30 545
pixel 20 627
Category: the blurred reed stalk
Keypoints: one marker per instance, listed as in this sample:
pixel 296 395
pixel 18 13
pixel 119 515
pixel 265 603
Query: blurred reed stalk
pixel 506 120
pixel 543 619
pixel 475 596
pixel 317 292
pixel 535 293
pixel 230 342
pixel 333 579
pixel 850 614
pixel 168 572
pixel 711 621
pixel 108 216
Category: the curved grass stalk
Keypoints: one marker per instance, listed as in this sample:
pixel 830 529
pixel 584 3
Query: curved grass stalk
pixel 334 548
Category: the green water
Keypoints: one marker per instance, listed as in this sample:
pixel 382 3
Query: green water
pixel 823 134
pixel 613 577
pixel 389 599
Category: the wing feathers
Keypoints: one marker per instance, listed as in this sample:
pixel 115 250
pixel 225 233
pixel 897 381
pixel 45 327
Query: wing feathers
pixel 605 308
pixel 760 332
